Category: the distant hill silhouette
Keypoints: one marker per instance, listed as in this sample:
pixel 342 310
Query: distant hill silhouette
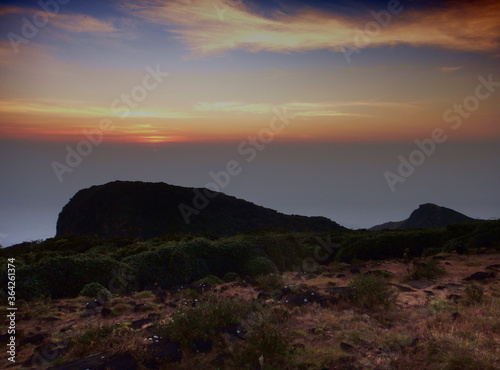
pixel 426 216
pixel 147 210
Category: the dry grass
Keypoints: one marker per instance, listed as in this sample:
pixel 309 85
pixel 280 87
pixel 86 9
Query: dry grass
pixel 421 331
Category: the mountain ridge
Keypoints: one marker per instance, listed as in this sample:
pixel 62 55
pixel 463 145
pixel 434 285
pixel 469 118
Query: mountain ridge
pixel 427 215
pixel 146 210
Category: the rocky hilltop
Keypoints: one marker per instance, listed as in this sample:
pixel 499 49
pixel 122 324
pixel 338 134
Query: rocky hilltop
pixel 426 216
pixel 146 210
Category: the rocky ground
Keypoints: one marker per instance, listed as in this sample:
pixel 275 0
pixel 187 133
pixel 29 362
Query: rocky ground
pixel 443 312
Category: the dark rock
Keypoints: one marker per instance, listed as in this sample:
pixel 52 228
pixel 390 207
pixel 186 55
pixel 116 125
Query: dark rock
pixel 403 288
pixel 454 285
pixel 91 362
pixel 137 307
pixel 100 362
pixel 455 315
pixel 339 276
pixel 329 275
pixel 346 347
pixel 447 264
pixel 122 361
pixel 420 283
pixel 454 297
pixel 106 312
pixel 138 324
pixel 439 287
pixel 481 275
pixel 165 351
pixel 355 271
pixel 429 292
pixel 263 296
pixel 493 267
pixel 66 328
pixel 203 346
pixel 35 339
pixel 154 316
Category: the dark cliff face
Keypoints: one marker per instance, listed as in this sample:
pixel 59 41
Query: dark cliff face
pixel 146 210
pixel 427 216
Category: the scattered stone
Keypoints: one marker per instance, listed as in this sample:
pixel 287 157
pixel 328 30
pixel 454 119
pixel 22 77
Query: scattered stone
pixel 420 283
pixel 481 275
pixel 402 288
pixel 346 347
pixel 454 285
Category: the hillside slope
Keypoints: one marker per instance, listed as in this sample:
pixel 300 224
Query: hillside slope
pixel 426 216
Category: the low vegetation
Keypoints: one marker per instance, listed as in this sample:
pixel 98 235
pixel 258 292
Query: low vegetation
pixel 248 302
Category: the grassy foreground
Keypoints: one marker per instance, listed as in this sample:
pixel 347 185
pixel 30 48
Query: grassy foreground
pixel 427 313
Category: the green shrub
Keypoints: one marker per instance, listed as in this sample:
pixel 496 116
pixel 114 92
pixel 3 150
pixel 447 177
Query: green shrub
pixel 230 277
pixel 267 345
pixel 65 277
pixel 201 322
pixel 269 282
pixel 95 290
pixel 430 270
pixel 371 291
pixel 259 266
pixel 212 280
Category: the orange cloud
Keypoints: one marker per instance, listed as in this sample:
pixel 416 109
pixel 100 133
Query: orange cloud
pixel 213 27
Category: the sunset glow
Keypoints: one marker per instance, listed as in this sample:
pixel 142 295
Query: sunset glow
pixel 326 67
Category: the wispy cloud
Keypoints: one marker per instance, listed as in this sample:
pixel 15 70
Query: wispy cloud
pixel 464 26
pixel 303 109
pixel 67 21
pixel 82 23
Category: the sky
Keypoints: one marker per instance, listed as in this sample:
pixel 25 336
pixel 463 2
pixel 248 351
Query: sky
pixel 354 110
